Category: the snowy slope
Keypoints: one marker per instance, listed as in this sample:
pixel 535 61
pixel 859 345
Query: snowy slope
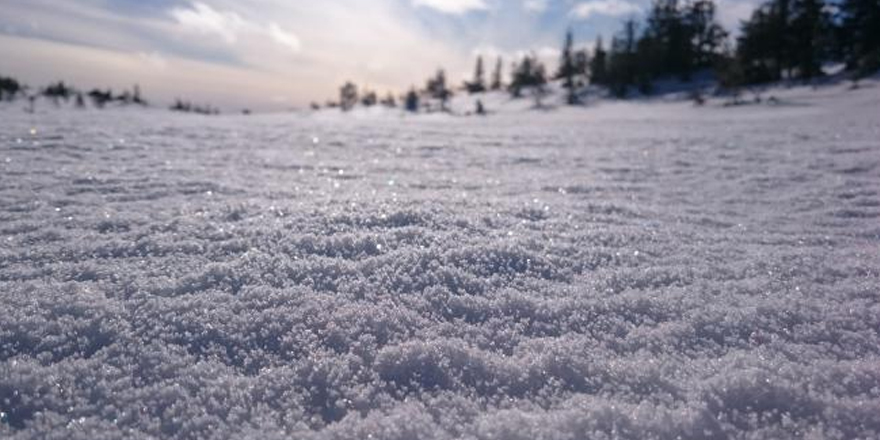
pixel 628 270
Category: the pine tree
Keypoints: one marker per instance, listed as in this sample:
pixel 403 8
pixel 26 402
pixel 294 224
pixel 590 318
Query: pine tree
pixel 622 60
pixel 859 35
pixel 707 35
pixel 539 83
pixel 810 28
pixel 412 101
pixel 581 67
pixel 785 39
pixel 567 69
pixel 438 90
pixel 137 98
pixel 389 100
pixel 598 65
pixel 496 76
pixel 780 41
pixel 369 98
pixel 754 51
pixel 528 73
pixel 9 88
pixel 348 96
pixel 478 85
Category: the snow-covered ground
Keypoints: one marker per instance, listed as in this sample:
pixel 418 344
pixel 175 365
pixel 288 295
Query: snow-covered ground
pixel 628 270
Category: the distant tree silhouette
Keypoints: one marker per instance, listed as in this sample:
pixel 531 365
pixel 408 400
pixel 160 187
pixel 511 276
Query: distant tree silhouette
pixel 10 88
pixel 676 40
pixel 581 67
pixel 568 70
pixel 622 69
pixel 497 82
pixel 665 48
pixel 529 73
pixel 859 35
pixel 188 107
pixel 539 89
pixel 706 34
pixel 437 89
pixel 125 97
pixel 478 84
pixel 58 91
pixel 731 76
pixel 389 100
pixel 785 39
pixel 599 64
pixel 369 98
pixel 810 31
pixel 181 106
pixel 755 48
pixel 136 96
pixel 100 98
pixel 412 101
pixel 348 96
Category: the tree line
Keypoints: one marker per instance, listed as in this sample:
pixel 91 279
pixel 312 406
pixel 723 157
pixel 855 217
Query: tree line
pixel 60 93
pixel 782 40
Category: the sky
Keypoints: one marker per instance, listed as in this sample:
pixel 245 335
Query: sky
pixel 279 54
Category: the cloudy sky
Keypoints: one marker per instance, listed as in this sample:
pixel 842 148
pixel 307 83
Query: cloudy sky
pixel 275 54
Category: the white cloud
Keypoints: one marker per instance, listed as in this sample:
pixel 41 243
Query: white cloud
pixel 454 7
pixel 611 8
pixel 284 38
pixel 230 26
pixel 536 6
pixel 204 19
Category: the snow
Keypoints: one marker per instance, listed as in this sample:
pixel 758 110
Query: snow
pixel 628 270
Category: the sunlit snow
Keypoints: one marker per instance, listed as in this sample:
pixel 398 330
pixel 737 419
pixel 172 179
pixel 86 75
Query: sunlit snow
pixel 628 270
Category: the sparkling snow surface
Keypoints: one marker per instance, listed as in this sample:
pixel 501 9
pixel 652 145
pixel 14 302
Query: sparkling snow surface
pixel 635 271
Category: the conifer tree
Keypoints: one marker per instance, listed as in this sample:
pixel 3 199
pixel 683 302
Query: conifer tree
pixel 369 98
pixel 528 73
pixel 9 88
pixel 707 35
pixel 622 60
pixel 810 27
pixel 478 85
pixel 348 96
pixel 496 75
pixel 389 100
pixel 136 96
pixel 567 69
pixel 598 64
pixel 438 90
pixel 784 39
pixel 859 35
pixel 412 101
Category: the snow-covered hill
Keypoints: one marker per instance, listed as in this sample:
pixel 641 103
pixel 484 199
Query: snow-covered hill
pixel 624 270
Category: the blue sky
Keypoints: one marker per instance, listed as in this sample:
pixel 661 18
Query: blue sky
pixel 271 54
